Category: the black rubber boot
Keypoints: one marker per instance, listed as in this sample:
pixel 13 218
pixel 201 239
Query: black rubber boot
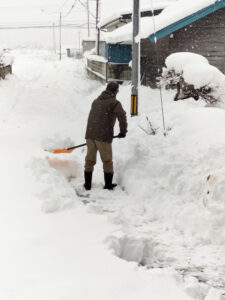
pixel 108 181
pixel 88 180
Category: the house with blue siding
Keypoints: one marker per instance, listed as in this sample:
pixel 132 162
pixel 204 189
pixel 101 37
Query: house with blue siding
pixel 117 55
pixel 184 26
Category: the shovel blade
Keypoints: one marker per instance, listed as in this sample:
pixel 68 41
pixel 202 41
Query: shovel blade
pixel 57 151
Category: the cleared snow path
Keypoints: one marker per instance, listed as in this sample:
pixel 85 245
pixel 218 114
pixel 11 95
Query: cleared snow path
pixel 168 217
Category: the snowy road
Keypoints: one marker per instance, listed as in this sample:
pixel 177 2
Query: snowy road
pixel 160 236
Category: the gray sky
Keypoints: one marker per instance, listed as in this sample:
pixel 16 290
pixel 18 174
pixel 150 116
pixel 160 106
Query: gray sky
pixel 19 12
pixel 44 12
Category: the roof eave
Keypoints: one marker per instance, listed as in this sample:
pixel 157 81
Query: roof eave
pixel 186 21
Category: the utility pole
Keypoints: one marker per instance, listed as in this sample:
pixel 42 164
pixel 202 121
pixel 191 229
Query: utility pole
pixel 88 19
pixel 135 59
pixel 97 29
pixel 60 36
pixel 54 43
pixel 79 42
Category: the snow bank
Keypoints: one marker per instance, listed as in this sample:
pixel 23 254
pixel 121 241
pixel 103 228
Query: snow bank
pixel 54 192
pixel 168 213
pixel 183 161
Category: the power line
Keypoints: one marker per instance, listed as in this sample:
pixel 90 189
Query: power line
pixel 71 25
pixel 63 4
pixel 91 14
pixel 57 11
pixel 60 9
pixel 72 7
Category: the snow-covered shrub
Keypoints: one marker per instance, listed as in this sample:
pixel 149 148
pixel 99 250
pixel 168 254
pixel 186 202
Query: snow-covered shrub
pixel 193 76
pixel 6 58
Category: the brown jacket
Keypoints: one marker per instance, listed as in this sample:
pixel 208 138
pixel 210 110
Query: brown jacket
pixel 102 117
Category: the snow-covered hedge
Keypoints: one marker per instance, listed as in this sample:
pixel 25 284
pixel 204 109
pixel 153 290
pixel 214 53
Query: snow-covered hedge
pixel 6 59
pixel 193 76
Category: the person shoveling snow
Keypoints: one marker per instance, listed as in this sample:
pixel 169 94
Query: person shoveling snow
pixel 99 133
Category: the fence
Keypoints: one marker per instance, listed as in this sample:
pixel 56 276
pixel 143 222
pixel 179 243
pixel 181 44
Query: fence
pixel 109 71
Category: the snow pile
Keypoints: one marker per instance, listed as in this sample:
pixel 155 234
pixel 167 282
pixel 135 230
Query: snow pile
pixel 91 53
pixel 178 61
pixel 195 76
pixel 191 153
pixel 195 69
pixel 203 75
pixel 52 173
pixel 6 58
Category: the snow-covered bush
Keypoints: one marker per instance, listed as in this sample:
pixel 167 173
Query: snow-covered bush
pixel 6 59
pixel 193 76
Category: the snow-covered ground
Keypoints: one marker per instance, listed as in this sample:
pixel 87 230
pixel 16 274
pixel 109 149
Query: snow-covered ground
pixel 159 235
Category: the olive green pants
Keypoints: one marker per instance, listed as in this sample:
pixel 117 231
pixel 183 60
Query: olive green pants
pixel 105 151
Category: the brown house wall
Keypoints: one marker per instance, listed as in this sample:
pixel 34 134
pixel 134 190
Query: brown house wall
pixel 205 36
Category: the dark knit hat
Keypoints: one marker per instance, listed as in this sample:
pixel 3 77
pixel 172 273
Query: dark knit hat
pixel 112 86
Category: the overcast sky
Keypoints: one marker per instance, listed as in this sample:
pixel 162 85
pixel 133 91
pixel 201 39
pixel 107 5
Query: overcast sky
pixel 18 12
pixel 44 10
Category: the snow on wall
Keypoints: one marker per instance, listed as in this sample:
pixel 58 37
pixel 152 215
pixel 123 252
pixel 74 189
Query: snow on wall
pixel 171 14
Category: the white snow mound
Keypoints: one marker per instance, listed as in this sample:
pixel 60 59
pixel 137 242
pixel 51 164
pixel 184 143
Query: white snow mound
pixel 200 75
pixel 177 61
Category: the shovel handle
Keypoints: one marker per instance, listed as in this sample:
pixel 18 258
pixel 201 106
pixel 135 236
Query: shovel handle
pixel 78 146
pixel 69 150
pixel 74 147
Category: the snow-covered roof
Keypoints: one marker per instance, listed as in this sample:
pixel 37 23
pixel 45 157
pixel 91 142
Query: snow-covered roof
pixel 119 13
pixel 187 10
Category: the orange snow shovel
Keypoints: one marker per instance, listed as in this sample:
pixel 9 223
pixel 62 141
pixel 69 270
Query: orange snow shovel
pixel 69 150
pixel 66 150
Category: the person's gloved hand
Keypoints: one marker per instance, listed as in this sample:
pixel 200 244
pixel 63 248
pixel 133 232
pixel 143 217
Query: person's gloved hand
pixel 121 135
